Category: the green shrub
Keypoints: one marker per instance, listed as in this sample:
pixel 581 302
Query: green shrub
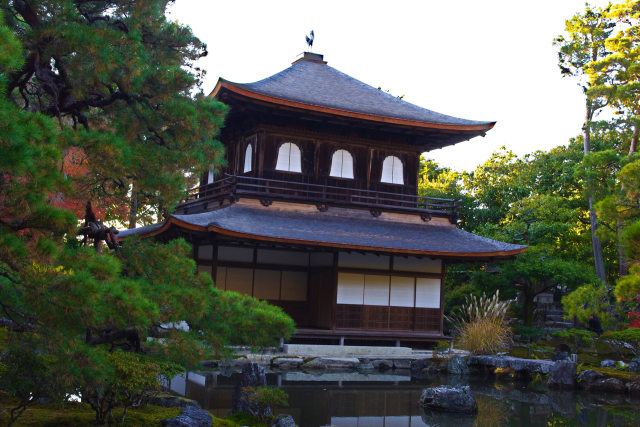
pixel 480 326
pixel 131 380
pixel 579 337
pixel 587 301
pixel 263 399
pixel 528 333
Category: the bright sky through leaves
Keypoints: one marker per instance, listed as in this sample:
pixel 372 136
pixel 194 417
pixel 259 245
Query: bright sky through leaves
pixel 488 60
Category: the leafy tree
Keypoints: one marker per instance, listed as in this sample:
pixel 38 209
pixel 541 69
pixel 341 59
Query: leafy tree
pixel 584 44
pixel 615 76
pixel 119 66
pixel 115 82
pixel 589 301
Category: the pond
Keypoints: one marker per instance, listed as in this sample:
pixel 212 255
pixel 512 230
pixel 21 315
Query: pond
pixel 390 400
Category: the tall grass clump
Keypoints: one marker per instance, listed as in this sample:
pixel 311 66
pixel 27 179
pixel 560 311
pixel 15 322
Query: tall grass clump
pixel 480 327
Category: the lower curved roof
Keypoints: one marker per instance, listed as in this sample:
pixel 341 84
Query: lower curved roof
pixel 359 231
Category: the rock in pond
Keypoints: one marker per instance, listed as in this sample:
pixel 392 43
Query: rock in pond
pixel 607 363
pixel 402 364
pixel 449 399
pixel 253 375
pixel 338 364
pixel 191 416
pixel 286 363
pixel 588 377
pixel 611 385
pixel 515 363
pixel 634 365
pixel 457 366
pixel 633 388
pixel 421 367
pixel 382 364
pixel 284 420
pixel 563 375
pixel 315 364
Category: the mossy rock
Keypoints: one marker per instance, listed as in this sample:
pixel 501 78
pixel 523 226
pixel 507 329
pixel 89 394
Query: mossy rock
pixel 607 347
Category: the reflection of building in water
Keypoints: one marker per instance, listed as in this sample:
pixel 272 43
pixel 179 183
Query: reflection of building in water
pixel 320 400
pixel 352 399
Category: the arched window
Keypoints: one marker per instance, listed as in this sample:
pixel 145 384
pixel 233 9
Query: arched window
pixel 248 155
pixel 289 158
pixel 392 170
pixel 342 164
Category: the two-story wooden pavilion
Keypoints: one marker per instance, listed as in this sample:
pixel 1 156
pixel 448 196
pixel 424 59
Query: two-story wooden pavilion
pixel 317 210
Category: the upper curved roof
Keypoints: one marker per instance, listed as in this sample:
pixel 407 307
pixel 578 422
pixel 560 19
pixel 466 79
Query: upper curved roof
pixel 310 83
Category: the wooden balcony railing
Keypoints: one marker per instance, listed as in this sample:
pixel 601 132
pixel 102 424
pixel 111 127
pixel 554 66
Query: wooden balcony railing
pixel 232 187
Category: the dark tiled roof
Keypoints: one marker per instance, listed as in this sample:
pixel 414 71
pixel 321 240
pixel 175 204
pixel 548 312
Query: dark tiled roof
pixel 358 231
pixel 315 83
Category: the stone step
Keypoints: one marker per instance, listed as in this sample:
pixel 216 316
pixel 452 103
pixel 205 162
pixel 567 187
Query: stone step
pixel 556 312
pixel 555 317
pixel 559 324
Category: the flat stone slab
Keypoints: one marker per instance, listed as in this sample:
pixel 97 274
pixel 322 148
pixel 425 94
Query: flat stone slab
pixel 344 376
pixel 340 362
pixel 307 350
pixel 515 363
pixel 287 363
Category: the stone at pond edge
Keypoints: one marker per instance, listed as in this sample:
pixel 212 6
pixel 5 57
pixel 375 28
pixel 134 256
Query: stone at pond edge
pixel 633 388
pixel 588 377
pixel 382 364
pixel 607 363
pixel 612 385
pixel 340 363
pixel 563 375
pixel 284 420
pixel 190 416
pixel 457 366
pixel 401 364
pixel 421 366
pixel 314 365
pixel 449 399
pixel 253 375
pixel 287 363
pixel 634 365
pixel 167 400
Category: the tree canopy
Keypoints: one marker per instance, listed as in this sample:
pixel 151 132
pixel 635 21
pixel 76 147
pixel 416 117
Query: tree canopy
pixel 109 87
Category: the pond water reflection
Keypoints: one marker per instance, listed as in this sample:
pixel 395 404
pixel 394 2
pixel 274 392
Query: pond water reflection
pixel 353 399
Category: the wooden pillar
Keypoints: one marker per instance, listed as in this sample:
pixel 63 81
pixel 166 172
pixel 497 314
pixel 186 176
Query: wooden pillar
pixel 334 291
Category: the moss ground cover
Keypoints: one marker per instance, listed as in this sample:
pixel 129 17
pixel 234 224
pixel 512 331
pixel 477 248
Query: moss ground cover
pixel 75 414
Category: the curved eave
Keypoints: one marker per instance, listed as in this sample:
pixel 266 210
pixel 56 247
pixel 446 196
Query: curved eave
pixel 224 84
pixel 230 233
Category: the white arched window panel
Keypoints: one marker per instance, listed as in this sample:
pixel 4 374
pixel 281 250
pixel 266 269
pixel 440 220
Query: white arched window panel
pixel 392 170
pixel 341 164
pixel 289 158
pixel 248 156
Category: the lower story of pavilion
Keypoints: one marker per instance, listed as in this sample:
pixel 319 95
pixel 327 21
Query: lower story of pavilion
pixel 340 273
pixel 334 293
